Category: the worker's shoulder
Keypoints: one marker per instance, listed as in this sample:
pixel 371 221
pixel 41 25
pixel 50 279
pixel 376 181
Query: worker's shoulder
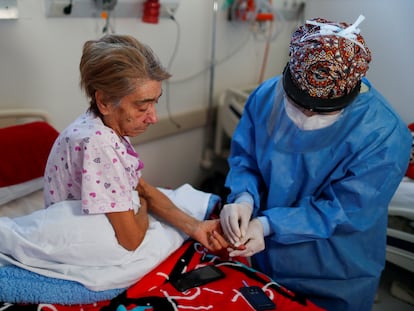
pixel 264 92
pixel 269 84
pixel 379 107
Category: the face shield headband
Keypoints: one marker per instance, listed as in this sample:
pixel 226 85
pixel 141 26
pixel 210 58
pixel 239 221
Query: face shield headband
pixel 315 104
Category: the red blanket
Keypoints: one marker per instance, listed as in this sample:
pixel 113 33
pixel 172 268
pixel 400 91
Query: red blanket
pixel 155 293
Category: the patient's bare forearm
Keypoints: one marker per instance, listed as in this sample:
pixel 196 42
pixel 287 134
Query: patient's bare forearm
pixel 160 205
pixel 130 229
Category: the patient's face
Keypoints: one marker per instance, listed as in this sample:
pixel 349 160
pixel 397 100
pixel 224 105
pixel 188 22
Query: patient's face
pixel 136 111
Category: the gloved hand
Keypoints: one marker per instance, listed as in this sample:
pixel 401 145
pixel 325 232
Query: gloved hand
pixel 234 220
pixel 253 241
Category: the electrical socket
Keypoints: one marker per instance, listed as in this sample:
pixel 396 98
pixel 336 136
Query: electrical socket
pixel 168 7
pixel 289 9
pixel 106 4
pixel 91 8
pixel 8 9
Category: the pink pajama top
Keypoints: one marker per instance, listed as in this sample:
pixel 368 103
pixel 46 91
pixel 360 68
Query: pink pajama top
pixel 91 163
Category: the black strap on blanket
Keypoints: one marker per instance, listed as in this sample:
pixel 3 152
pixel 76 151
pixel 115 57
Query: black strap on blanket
pixel 162 304
pixel 17 307
pixel 252 274
pixel 183 261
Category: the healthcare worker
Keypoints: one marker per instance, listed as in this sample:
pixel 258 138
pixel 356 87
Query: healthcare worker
pixel 314 162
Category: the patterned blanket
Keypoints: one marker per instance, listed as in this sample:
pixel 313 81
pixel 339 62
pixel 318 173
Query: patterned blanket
pixel 154 292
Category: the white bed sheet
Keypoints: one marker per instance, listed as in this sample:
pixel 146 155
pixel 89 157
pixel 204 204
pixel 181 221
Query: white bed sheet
pixel 11 193
pixel 61 242
pixel 23 205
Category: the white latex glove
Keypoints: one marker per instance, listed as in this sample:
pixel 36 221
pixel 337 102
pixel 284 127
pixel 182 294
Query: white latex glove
pixel 253 241
pixel 234 219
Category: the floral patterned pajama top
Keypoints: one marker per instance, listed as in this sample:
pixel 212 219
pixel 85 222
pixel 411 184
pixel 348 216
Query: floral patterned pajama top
pixel 91 163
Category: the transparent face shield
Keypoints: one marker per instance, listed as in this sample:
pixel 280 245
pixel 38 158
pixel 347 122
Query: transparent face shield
pixel 287 136
pixel 313 122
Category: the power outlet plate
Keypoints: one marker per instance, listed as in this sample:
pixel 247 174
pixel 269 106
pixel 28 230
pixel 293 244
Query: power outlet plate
pixel 290 9
pixel 92 8
pixel 8 9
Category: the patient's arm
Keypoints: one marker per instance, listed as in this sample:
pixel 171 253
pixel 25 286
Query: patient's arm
pixel 130 228
pixel 207 232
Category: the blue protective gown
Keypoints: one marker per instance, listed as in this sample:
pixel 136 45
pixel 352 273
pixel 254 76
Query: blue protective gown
pixel 325 193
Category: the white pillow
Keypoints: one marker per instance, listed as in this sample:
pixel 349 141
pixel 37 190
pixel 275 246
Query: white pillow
pixel 11 193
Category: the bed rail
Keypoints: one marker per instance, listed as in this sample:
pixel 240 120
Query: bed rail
pixel 10 117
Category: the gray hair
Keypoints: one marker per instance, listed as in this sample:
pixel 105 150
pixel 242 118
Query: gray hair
pixel 114 64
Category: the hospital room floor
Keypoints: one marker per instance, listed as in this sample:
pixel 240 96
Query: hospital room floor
pixel 385 300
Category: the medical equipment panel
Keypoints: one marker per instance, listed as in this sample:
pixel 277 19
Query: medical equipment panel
pixel 230 108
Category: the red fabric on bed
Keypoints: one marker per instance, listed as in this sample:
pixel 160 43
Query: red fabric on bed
pixel 154 289
pixel 155 293
pixel 24 151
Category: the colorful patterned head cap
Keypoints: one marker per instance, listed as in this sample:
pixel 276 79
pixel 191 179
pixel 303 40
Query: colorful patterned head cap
pixel 327 62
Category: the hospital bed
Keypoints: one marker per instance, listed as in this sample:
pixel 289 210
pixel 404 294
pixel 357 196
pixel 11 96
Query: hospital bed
pixel 26 138
pixel 400 231
pixel 20 179
pixel 230 108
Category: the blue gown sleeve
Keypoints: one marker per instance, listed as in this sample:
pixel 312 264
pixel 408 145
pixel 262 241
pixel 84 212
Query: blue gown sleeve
pixel 242 161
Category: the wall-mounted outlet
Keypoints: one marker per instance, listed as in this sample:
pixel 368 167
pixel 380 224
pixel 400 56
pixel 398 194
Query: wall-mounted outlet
pixel 106 4
pixel 93 8
pixel 8 9
pixel 290 9
pixel 90 8
pixel 168 7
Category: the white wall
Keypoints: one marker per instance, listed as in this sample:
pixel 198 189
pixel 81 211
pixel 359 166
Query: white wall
pixel 39 60
pixel 389 32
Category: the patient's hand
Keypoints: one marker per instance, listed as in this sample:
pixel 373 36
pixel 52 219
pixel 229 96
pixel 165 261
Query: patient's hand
pixel 210 234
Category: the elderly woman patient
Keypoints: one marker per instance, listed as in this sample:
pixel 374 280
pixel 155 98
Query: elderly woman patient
pixel 99 227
